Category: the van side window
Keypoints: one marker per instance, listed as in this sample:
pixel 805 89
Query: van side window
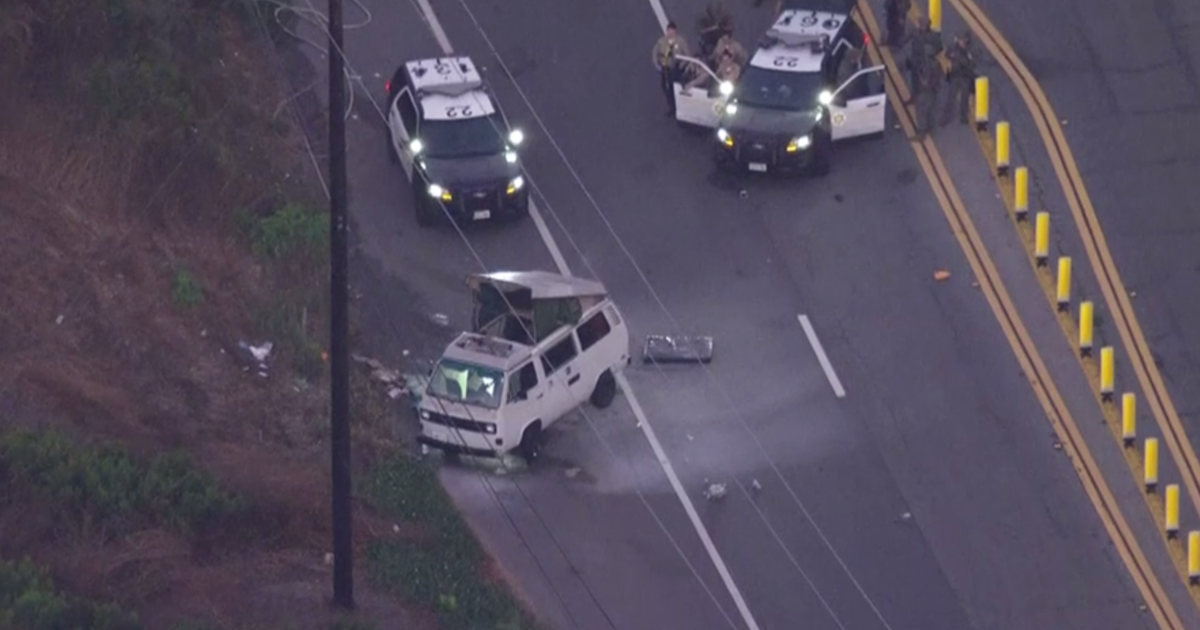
pixel 559 354
pixel 592 331
pixel 526 380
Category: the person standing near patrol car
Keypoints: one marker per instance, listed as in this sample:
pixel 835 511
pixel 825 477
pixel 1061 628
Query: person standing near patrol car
pixel 668 47
pixel 924 46
pixel 961 78
pixel 928 84
pixel 727 44
pixel 897 18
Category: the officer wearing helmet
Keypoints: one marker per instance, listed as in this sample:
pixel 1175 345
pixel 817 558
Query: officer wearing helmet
pixel 961 77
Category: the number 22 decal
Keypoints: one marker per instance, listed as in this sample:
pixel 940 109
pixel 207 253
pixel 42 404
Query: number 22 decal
pixel 458 111
pixel 786 62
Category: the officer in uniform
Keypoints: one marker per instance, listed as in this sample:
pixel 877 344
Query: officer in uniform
pixel 897 18
pixel 924 46
pixel 851 61
pixel 961 77
pixel 727 44
pixel 728 69
pixel 670 45
pixel 928 83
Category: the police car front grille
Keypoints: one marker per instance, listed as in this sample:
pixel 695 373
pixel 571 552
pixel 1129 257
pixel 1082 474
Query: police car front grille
pixel 455 423
pixel 480 198
pixel 758 149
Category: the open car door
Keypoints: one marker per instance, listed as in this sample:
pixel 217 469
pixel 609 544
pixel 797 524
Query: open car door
pixel 701 106
pixel 859 106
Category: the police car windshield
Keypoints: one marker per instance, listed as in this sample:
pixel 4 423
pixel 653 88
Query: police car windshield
pixel 463 138
pixel 759 87
pixel 466 383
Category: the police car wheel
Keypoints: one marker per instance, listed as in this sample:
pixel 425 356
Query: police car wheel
pixel 422 208
pixel 605 390
pixel 531 442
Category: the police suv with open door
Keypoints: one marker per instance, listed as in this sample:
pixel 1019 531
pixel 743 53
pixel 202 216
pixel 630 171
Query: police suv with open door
pixel 454 143
pixel 789 106
pixel 542 344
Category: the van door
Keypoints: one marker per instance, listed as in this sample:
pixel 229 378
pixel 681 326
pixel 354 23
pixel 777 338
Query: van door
pixel 600 349
pixel 524 402
pixel 563 380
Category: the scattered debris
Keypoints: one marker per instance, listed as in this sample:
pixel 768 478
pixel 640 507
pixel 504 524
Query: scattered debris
pixel 256 356
pixel 907 516
pixel 441 319
pixel 385 376
pixel 500 470
pixel 58 320
pixel 941 275
pixel 715 492
pixel 1133 294
pixel 754 485
pixel 743 194
pixel 328 558
pixel 395 528
pixel 1057 445
pixel 203 332
pixel 571 473
pixel 396 392
pixel 975 285
pixel 677 349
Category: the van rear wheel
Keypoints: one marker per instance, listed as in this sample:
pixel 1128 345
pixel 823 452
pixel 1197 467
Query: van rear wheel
pixel 605 390
pixel 531 443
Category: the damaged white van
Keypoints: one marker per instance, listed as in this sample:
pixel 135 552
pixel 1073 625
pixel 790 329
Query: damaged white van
pixel 542 344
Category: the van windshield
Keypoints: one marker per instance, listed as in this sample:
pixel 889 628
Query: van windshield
pixel 465 383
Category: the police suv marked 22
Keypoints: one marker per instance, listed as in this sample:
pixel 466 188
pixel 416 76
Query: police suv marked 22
pixel 454 143
pixel 541 345
pixel 803 89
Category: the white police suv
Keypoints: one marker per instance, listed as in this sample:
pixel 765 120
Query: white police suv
pixel 454 143
pixel 790 105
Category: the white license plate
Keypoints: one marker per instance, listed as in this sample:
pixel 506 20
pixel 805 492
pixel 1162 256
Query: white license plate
pixel 758 167
pixel 482 214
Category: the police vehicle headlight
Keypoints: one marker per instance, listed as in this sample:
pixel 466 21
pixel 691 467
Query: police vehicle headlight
pixel 825 97
pixel 731 108
pixel 799 144
pixel 415 146
pixel 437 192
pixel 516 137
pixel 424 415
pixel 516 184
pixel 725 137
pixel 726 88
pixel 510 157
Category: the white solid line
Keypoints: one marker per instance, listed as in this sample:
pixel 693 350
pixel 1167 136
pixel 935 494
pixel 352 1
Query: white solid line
pixel 688 507
pixel 825 364
pixel 559 261
pixel 657 7
pixel 435 25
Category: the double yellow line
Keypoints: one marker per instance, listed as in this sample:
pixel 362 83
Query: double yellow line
pixel 1115 294
pixel 1033 367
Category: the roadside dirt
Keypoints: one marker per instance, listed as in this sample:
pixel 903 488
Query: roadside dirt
pixel 94 228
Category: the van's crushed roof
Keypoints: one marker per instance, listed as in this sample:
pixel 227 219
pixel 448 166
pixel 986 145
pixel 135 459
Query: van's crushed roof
pixel 543 285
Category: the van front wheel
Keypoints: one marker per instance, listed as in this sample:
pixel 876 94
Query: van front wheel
pixel 531 442
pixel 605 390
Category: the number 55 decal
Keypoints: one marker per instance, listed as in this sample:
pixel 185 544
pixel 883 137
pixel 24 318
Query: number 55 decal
pixel 458 111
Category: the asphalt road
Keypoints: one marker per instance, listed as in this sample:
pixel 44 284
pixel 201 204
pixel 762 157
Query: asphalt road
pixel 1126 77
pixel 927 497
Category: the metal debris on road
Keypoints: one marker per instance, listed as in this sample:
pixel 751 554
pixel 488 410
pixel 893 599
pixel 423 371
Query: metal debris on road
pixel 941 275
pixel 441 319
pixel 907 516
pixel 755 485
pixel 677 349
pixel 571 473
pixel 715 492
pixel 58 320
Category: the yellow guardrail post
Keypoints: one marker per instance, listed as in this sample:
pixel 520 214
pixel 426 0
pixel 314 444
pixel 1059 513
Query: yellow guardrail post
pixel 981 103
pixel 1150 472
pixel 1128 418
pixel 935 15
pixel 1002 148
pixel 1086 320
pixel 1064 283
pixel 1107 372
pixel 1021 193
pixel 1193 560
pixel 1041 247
pixel 1172 515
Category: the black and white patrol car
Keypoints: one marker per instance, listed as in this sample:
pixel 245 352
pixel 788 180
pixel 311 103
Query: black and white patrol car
pixel 789 105
pixel 454 143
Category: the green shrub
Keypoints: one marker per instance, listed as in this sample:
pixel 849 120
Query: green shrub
pixel 29 601
pixel 185 289
pixel 104 487
pixel 293 229
pixel 441 570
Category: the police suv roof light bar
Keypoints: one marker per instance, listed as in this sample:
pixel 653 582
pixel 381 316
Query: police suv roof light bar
pixel 448 76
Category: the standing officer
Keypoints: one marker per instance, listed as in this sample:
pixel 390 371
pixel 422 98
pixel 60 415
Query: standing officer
pixel 897 17
pixel 666 49
pixel 961 77
pixel 928 83
pixel 923 46
pixel 728 69
pixel 727 44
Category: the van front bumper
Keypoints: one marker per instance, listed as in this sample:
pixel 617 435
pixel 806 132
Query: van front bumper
pixel 456 449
